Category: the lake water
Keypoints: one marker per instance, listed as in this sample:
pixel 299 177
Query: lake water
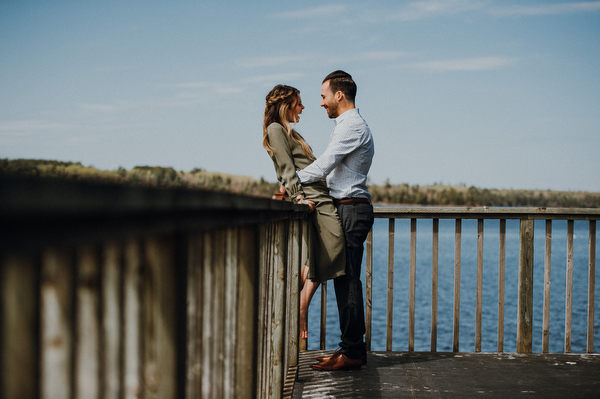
pixel 468 288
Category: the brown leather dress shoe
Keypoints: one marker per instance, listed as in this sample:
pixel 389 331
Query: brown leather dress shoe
pixel 338 362
pixel 326 358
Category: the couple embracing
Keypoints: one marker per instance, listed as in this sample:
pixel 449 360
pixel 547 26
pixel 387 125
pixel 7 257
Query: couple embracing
pixel 334 186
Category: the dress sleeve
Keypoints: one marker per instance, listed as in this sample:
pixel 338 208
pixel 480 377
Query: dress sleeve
pixel 284 160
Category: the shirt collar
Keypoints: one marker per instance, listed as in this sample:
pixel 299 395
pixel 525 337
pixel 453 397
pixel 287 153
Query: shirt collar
pixel 346 114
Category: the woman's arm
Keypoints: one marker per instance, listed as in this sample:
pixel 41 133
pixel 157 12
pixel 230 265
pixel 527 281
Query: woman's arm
pixel 284 161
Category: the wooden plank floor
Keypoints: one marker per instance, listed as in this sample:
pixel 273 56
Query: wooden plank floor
pixel 454 375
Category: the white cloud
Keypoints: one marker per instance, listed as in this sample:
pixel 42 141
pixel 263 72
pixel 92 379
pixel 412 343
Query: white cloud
pixel 186 85
pixel 26 126
pixel 114 68
pixel 465 64
pixel 422 9
pixel 381 55
pixel 99 107
pixel 282 77
pixel 547 9
pixel 228 89
pixel 321 11
pixel 271 61
pixel 428 8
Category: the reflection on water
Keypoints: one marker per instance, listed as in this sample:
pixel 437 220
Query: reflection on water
pixel 468 287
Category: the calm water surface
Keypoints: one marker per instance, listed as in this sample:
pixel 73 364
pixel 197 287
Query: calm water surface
pixel 468 288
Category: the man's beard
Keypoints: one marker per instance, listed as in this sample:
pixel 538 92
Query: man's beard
pixel 332 111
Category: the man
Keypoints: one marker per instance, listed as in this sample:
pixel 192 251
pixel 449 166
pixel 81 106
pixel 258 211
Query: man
pixel 345 164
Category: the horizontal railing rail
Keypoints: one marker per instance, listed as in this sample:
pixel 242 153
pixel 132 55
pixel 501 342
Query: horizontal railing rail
pixel 114 291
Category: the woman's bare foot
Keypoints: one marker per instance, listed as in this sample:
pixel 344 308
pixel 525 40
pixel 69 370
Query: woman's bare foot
pixel 303 323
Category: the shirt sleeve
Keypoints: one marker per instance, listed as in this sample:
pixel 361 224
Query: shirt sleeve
pixel 283 159
pixel 341 144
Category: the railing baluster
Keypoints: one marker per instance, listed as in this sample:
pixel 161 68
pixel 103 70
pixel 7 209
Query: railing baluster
pixel 390 285
pixel 434 283
pixel 323 336
pixel 369 290
pixel 547 280
pixel 157 329
pixel 266 271
pixel 112 319
pixel 304 251
pixel 413 279
pixel 57 324
pixel 230 310
pixel 525 300
pixel 19 298
pixel 218 321
pixel 591 287
pixel 501 284
pixel 456 316
pixel 569 288
pixel 209 314
pixel 479 288
pixel 247 341
pixel 132 321
pixel 278 371
pixel 293 288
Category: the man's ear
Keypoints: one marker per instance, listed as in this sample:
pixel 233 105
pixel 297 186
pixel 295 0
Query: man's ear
pixel 339 95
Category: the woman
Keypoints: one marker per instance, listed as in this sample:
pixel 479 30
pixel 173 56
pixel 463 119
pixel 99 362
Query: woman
pixel 326 252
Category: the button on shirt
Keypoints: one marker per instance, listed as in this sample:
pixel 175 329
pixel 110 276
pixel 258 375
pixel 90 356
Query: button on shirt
pixel 347 160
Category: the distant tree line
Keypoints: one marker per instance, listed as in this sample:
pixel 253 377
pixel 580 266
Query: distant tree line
pixel 151 176
pixel 156 176
pixel 473 196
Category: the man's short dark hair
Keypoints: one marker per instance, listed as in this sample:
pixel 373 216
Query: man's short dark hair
pixel 342 81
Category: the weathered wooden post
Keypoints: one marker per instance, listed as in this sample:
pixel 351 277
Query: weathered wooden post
pixel 19 295
pixel 457 262
pixel 525 305
pixel 293 291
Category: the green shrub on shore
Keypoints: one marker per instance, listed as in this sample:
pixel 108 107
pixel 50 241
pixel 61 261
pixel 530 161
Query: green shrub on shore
pixel 156 176
pixel 149 176
pixel 473 196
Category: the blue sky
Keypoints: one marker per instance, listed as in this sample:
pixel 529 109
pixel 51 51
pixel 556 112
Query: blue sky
pixel 494 94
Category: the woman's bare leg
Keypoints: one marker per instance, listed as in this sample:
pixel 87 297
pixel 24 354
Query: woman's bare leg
pixel 308 290
pixel 303 276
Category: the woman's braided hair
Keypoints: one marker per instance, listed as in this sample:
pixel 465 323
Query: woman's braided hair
pixel 279 101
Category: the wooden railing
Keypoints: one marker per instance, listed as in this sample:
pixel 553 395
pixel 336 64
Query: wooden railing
pixel 525 271
pixel 110 291
pixel 525 312
pixel 125 292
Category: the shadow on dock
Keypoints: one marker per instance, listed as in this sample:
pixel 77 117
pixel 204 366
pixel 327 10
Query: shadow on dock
pixel 454 375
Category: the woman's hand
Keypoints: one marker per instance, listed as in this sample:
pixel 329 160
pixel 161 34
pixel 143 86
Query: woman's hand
pixel 301 200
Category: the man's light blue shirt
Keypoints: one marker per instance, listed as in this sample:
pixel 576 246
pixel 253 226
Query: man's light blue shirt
pixel 346 160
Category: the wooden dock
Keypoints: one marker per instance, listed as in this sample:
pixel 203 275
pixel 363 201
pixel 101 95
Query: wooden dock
pixel 454 375
pixel 118 291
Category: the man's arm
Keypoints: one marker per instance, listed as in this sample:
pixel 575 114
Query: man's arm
pixel 340 145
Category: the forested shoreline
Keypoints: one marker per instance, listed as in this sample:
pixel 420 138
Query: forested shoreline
pixel 404 194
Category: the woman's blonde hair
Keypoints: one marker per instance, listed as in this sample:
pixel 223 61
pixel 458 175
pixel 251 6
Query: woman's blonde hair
pixel 279 101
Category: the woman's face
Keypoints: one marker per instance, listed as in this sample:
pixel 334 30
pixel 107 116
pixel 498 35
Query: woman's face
pixel 295 110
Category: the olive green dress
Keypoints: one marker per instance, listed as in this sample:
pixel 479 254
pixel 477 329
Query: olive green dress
pixel 326 251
